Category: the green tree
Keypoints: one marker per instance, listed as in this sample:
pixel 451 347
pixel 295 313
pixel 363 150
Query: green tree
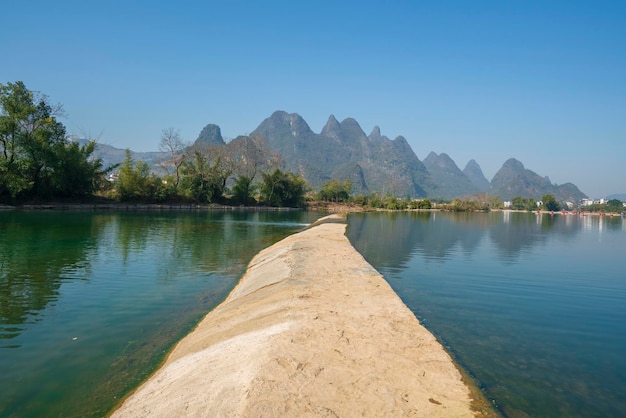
pixel 614 205
pixel 76 174
pixel 522 203
pixel 335 191
pixel 251 156
pixel 550 203
pixel 243 190
pixel 360 200
pixel 203 180
pixel 424 204
pixel 135 183
pixel 283 189
pixel 519 203
pixel 36 160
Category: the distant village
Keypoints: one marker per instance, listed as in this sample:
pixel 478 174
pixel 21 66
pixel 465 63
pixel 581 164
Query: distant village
pixel 571 205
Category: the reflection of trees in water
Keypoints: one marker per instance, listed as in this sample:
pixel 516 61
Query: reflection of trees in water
pixel 217 241
pixel 36 250
pixel 164 253
pixel 40 250
pixel 389 239
pixel 522 232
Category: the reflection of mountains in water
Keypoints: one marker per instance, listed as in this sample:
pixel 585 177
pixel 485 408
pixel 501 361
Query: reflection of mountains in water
pixel 390 239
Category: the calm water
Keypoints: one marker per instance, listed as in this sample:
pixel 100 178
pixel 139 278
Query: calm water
pixel 533 306
pixel 91 302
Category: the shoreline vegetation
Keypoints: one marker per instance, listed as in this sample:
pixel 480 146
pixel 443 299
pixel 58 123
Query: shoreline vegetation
pixel 311 329
pixel 315 206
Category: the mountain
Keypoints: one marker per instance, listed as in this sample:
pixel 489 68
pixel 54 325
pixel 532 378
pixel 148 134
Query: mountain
pixel 111 155
pixel 514 180
pixel 451 180
pixel 618 196
pixel 475 174
pixel 343 151
pixel 210 135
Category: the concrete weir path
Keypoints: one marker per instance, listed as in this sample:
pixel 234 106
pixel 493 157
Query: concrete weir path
pixel 311 330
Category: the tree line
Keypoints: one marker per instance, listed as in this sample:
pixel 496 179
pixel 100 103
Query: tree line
pixel 38 163
pixel 36 160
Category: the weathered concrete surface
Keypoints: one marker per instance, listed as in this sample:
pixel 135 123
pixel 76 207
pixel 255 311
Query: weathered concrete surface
pixel 311 330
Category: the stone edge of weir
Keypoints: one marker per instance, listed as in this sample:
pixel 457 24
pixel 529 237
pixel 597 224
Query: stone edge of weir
pixel 311 329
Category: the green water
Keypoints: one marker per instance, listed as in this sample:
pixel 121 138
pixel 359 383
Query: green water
pixel 91 302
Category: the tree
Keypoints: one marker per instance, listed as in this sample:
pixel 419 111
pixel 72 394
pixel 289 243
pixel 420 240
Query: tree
pixel 76 174
pixel 522 203
pixel 550 203
pixel 283 189
pixel 243 190
pixel 614 205
pixel 36 160
pixel 421 204
pixel 251 156
pixel 172 143
pixel 205 180
pixel 135 183
pixel 335 191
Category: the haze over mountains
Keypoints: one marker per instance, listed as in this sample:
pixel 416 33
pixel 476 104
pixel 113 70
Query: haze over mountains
pixel 376 163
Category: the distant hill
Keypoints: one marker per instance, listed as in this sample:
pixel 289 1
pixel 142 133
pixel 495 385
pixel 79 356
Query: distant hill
pixel 475 174
pixel 451 180
pixel 210 135
pixel 343 151
pixel 111 155
pixel 513 179
pixel 618 196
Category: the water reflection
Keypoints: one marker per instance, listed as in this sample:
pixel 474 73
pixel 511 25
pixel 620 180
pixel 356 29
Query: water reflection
pixel 39 251
pixel 91 302
pixel 533 305
pixel 35 256
pixel 390 239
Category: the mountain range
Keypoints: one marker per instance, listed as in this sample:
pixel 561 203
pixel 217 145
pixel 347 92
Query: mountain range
pixel 374 163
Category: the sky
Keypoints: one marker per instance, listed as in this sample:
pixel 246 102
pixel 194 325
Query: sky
pixel 540 81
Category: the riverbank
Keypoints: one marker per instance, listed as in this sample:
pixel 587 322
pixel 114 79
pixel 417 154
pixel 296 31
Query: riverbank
pixel 311 330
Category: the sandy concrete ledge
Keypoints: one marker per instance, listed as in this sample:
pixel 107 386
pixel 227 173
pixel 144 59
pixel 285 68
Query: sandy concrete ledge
pixel 311 330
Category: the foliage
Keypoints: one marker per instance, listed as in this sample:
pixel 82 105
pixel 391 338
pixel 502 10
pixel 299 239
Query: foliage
pixel 360 199
pixel 243 189
pixel 204 180
pixel 612 206
pixel 75 173
pixel 36 161
pixel 521 203
pixel 251 156
pixel 480 201
pixel 550 203
pixel 335 191
pixel 283 189
pixel 468 205
pixel 135 183
pixel 389 202
pixel 420 204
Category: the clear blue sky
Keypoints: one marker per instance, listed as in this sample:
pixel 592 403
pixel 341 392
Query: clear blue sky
pixel 540 81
